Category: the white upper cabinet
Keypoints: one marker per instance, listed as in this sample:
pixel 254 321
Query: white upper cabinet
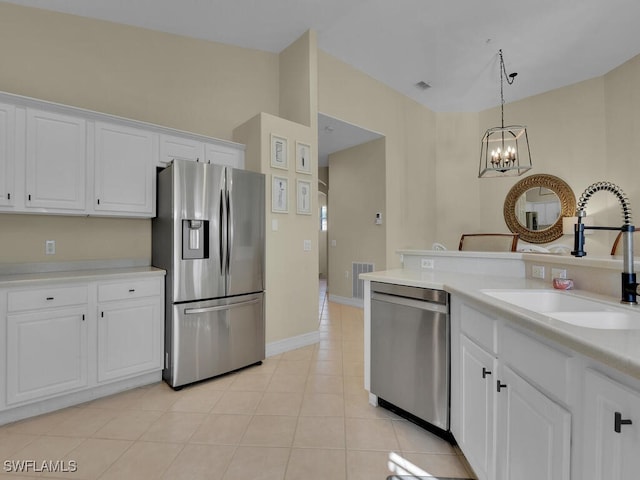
pixel 56 156
pixel 224 155
pixel 172 147
pixel 64 160
pixel 7 152
pixel 124 169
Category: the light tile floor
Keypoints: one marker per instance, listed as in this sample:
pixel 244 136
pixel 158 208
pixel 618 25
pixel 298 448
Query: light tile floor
pixel 301 415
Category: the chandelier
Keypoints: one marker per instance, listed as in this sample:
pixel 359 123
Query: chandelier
pixel 504 150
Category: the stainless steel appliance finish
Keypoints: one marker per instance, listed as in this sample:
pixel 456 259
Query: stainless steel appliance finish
pixel 209 237
pixel 410 359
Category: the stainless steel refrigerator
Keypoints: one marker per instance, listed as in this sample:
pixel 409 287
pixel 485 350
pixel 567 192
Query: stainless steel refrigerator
pixel 209 237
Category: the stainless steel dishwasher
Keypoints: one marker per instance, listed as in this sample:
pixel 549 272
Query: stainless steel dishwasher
pixel 410 352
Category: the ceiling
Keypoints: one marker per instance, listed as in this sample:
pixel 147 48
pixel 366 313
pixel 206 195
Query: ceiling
pixel 452 45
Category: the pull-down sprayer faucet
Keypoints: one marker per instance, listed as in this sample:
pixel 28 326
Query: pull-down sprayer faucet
pixel 629 284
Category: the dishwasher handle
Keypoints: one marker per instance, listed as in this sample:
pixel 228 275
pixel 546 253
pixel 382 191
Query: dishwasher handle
pixel 408 302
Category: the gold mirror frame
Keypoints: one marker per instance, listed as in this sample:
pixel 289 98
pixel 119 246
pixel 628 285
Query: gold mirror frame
pixel 557 186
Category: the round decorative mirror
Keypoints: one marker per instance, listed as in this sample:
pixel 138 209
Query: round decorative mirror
pixel 534 208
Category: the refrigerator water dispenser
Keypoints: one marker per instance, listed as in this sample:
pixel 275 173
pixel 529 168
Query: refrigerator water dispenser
pixel 195 239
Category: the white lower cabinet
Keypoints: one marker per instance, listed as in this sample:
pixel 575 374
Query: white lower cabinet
pixel 46 353
pixel 477 399
pixel 507 425
pixel 130 329
pixel 611 443
pixel 66 338
pixel 533 434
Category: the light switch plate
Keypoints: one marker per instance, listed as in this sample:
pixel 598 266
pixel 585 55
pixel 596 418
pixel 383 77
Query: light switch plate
pixel 49 247
pixel 427 263
pixel 558 273
pixel 307 245
pixel 537 271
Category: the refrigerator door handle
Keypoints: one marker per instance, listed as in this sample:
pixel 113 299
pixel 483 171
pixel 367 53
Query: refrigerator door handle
pixel 229 230
pixel 222 229
pixel 189 311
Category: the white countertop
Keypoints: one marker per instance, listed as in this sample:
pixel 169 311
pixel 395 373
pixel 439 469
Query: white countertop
pixel 619 349
pixel 24 279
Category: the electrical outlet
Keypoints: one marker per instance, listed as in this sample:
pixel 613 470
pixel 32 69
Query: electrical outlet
pixel 537 271
pixel 427 263
pixel 306 245
pixel 49 247
pixel 558 273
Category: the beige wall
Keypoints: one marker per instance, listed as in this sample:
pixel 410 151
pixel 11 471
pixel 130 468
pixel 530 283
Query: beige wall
pixel 22 238
pixel 566 129
pixel 299 81
pixel 457 187
pixel 357 179
pixel 410 148
pixel 188 84
pixel 292 273
pixel 193 85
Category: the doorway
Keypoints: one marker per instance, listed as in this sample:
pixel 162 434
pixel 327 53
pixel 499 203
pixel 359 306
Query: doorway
pixel 335 136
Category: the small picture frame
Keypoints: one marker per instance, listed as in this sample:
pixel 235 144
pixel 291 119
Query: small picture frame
pixel 303 197
pixel 279 194
pixel 303 158
pixel 279 152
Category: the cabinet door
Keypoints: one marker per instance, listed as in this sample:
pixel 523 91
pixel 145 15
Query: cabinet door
pixel 129 338
pixel 124 170
pixel 56 157
pixel 182 148
pixel 477 396
pixel 224 155
pixel 7 155
pixel 533 434
pixel 46 353
pixel 610 454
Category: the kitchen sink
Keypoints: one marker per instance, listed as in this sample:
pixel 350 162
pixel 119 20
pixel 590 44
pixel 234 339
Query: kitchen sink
pixel 570 309
pixel 544 301
pixel 606 320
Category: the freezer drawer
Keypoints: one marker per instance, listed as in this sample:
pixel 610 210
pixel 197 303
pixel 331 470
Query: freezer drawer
pixel 410 356
pixel 209 338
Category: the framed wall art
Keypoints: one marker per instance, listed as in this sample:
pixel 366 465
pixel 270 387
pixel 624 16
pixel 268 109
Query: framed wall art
pixel 303 158
pixel 303 197
pixel 279 152
pixel 279 194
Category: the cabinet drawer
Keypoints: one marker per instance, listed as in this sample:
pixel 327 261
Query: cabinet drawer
pixel 50 297
pixel 540 363
pixel 128 289
pixel 479 327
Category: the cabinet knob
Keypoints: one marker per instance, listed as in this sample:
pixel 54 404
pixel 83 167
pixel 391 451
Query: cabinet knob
pixel 485 372
pixel 500 386
pixel 618 421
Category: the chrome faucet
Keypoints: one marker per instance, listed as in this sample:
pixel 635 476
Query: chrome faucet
pixel 629 284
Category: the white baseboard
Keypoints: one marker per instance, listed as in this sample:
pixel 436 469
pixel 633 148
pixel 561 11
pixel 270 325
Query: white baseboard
pixel 13 414
pixel 353 302
pixel 291 343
